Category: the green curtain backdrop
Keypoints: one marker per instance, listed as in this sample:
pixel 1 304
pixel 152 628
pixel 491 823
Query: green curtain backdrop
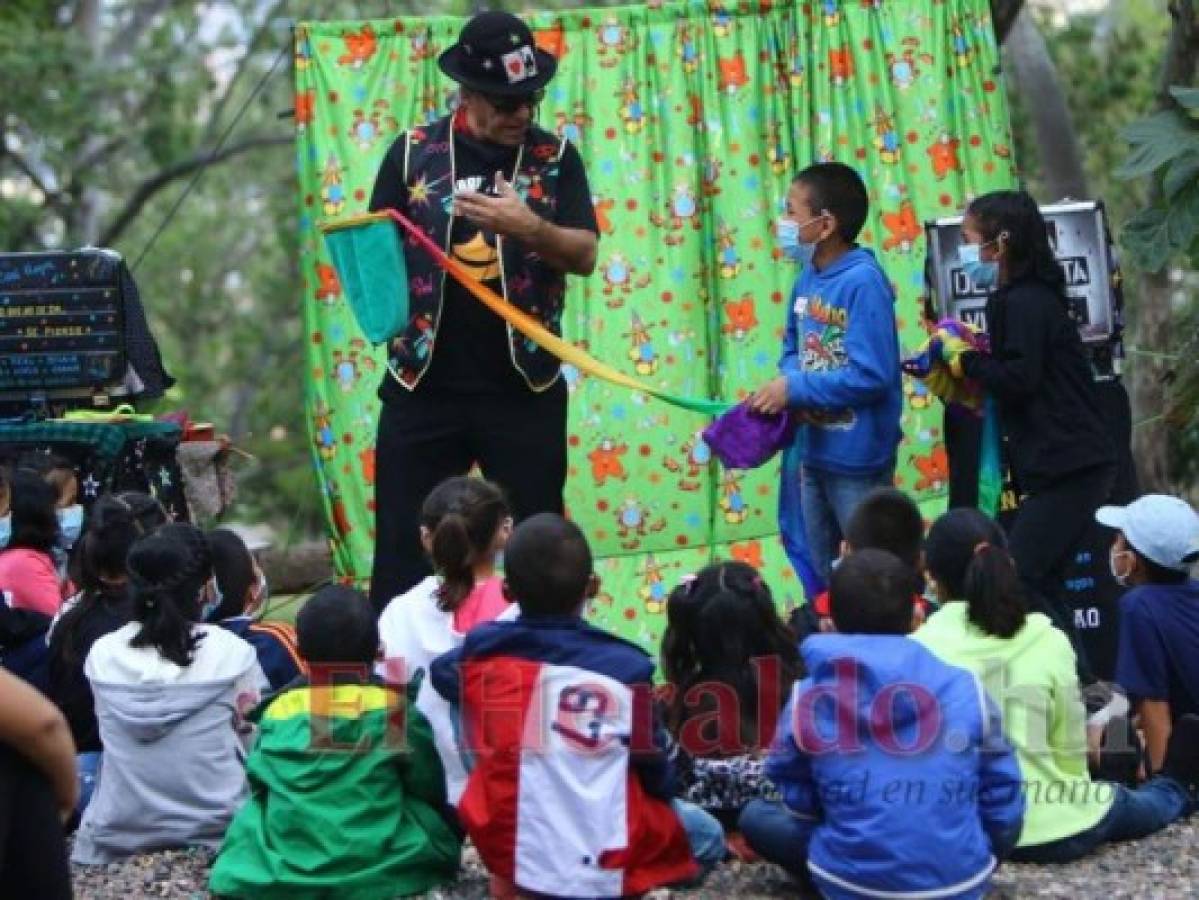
pixel 692 118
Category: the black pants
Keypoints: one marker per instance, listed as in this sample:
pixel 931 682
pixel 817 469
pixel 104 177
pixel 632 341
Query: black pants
pixel 1049 526
pixel 518 440
pixel 33 852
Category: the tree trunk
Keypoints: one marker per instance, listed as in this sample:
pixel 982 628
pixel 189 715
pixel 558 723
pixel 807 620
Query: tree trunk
pixel 1036 80
pixel 297 569
pixel 1003 16
pixel 1151 327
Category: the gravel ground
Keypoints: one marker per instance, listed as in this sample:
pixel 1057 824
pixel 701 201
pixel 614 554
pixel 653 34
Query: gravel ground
pixel 1163 866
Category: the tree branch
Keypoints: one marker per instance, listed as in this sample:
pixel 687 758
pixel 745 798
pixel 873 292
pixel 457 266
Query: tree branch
pixel 252 46
pixel 1003 16
pixel 101 151
pixel 159 180
pixel 53 198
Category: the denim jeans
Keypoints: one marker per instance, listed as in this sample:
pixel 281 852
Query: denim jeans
pixel 778 835
pixel 828 500
pixel 1133 814
pixel 703 833
pixel 88 769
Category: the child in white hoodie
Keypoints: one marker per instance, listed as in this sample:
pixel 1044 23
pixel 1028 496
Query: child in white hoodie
pixel 170 695
pixel 465 523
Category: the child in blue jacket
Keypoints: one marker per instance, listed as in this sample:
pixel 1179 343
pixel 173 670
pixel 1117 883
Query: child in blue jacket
pixel 840 364
pixel 895 777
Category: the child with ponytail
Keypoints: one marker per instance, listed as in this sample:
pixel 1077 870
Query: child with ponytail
pixel 170 697
pixel 1027 666
pixel 464 525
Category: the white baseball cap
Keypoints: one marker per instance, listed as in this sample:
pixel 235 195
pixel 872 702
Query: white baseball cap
pixel 1163 529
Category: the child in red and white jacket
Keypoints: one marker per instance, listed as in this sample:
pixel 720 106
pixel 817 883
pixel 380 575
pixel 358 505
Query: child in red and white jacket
pixel 558 718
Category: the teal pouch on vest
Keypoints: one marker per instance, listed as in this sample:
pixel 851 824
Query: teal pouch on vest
pixel 369 259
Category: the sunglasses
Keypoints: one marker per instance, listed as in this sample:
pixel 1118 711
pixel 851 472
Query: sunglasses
pixel 509 105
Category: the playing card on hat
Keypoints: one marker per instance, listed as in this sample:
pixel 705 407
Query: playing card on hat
pixel 520 64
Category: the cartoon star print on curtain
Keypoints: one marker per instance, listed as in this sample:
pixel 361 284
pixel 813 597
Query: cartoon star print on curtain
pixel 692 118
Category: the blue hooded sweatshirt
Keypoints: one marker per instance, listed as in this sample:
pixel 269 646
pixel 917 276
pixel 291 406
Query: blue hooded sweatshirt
pixel 899 762
pixel 841 361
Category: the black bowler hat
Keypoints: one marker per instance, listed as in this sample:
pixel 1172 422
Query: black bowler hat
pixel 495 54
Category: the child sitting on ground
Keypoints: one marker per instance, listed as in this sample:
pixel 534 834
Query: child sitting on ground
pixel 881 736
pixel 360 815
pixel 1157 662
pixel 170 697
pixel 465 523
pixel 104 604
pixel 886 519
pixel 241 595
pixel 729 663
pixel 27 568
pixel 571 791
pixel 1027 665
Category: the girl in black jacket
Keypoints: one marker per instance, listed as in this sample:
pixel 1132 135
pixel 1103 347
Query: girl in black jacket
pixel 1061 454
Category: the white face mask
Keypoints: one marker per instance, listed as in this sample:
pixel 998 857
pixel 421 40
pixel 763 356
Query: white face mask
pixel 1112 556
pixel 70 525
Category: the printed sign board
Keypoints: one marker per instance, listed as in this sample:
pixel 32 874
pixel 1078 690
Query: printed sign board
pixel 1078 236
pixel 61 324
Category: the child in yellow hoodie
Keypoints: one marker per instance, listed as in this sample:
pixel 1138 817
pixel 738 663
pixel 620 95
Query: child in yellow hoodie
pixel 1028 668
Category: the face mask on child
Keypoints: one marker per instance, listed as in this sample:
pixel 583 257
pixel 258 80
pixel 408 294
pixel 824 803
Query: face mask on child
pixel 5 529
pixel 70 525
pixel 1121 580
pixel 791 245
pixel 982 272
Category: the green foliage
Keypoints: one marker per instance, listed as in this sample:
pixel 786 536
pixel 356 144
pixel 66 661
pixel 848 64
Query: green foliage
pixel 1108 70
pixel 1164 146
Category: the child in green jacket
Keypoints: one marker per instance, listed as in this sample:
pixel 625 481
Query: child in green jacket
pixel 347 794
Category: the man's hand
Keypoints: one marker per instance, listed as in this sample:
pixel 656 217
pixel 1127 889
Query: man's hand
pixel 505 214
pixel 771 399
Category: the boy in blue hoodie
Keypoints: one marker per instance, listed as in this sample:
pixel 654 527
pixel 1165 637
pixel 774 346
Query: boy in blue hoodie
pixel 840 365
pixel 880 736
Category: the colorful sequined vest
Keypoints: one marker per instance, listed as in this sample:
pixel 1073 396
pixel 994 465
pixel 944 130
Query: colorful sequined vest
pixel 528 283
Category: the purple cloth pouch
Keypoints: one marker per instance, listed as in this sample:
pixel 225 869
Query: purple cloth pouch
pixel 744 439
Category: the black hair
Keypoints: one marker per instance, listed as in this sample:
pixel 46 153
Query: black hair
pixel 716 624
pixel 167 571
pixel 1026 243
pixel 966 552
pixel 337 625
pixel 838 189
pixel 547 565
pixel 462 516
pixel 52 467
pixel 887 519
pixel 114 523
pixel 233 567
pixel 870 592
pixel 34 517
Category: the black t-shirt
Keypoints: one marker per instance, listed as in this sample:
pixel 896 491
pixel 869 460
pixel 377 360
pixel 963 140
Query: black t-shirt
pixel 472 354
